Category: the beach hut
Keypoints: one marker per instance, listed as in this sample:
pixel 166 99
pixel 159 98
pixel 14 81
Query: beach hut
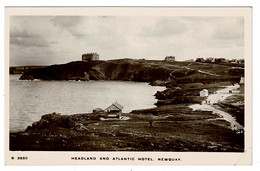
pixel 204 93
pixel 114 110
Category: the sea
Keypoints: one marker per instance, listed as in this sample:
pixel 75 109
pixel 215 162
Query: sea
pixel 29 100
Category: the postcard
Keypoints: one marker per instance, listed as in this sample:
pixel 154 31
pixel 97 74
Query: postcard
pixel 128 86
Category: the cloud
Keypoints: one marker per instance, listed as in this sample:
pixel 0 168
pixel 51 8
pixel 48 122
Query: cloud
pixel 165 27
pixel 31 56
pixel 226 34
pixel 214 32
pixel 65 22
pixel 23 38
pixel 92 32
pixel 65 38
pixel 230 28
pixel 69 23
pixel 53 42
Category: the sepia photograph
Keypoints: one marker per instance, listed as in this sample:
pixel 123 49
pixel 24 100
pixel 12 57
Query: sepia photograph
pixel 129 85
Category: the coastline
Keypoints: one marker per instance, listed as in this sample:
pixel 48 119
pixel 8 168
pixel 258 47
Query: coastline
pixel 170 126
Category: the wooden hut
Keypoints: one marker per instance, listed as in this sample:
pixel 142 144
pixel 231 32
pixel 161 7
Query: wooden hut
pixel 114 110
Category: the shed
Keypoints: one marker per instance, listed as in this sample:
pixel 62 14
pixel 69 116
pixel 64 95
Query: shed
pixel 204 93
pixel 114 110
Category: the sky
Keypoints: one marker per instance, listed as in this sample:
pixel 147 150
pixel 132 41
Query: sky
pixel 46 40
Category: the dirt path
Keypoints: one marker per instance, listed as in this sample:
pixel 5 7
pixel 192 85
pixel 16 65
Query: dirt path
pixel 207 73
pixel 214 98
pixel 200 71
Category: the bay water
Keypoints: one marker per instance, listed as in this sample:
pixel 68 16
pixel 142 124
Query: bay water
pixel 29 100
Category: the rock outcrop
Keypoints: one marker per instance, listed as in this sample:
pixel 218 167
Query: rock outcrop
pixel 56 120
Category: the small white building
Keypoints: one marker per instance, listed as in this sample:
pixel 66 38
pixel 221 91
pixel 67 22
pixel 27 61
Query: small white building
pixel 204 93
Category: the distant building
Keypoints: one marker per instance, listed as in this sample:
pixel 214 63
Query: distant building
pixel 220 60
pixel 241 61
pixel 233 61
pixel 209 60
pixel 114 110
pixel 242 85
pixel 170 58
pixel 200 60
pixel 90 57
pixel 204 93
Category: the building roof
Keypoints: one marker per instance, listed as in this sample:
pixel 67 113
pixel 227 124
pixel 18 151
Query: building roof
pixel 204 90
pixel 115 106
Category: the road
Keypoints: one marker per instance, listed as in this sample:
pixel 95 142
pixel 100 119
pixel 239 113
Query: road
pixel 214 98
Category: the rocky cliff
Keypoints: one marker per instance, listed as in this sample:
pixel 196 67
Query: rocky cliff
pixel 130 70
pixel 155 72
